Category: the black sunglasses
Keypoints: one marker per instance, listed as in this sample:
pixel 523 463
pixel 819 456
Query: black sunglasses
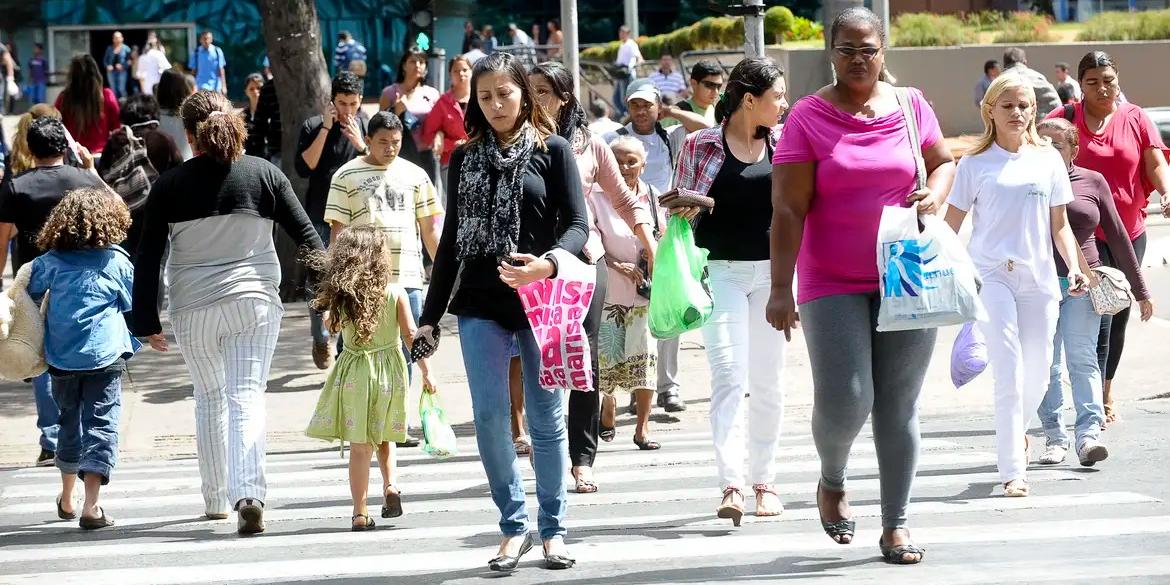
pixel 711 85
pixel 849 52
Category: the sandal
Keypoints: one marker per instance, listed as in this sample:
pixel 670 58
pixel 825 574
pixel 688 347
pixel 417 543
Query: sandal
pixel 762 490
pixel 392 508
pixel 647 445
pixel 367 525
pixel 522 445
pixel 607 433
pixel 1016 488
pixel 102 521
pixel 62 514
pixel 729 507
pixel 584 486
pixel 840 531
pixel 897 554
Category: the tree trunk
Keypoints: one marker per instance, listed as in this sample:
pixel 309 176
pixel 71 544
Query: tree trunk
pixel 293 36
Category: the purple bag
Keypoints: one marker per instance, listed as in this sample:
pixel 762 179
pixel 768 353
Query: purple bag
pixel 968 356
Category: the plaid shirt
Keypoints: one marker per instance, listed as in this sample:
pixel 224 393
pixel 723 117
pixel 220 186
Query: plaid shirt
pixel 702 156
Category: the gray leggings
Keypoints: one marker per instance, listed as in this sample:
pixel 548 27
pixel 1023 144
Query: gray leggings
pixel 857 370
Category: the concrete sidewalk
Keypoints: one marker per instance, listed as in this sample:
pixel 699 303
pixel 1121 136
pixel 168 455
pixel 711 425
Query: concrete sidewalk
pixel 158 420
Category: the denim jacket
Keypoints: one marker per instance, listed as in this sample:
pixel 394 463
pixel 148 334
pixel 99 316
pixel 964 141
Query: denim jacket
pixel 90 289
pixel 702 156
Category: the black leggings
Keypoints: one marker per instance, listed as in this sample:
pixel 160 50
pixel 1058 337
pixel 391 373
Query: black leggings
pixel 585 407
pixel 1111 341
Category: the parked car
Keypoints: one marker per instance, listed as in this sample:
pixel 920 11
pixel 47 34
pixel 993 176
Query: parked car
pixel 1161 118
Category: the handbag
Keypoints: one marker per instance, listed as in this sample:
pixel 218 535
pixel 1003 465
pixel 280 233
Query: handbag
pixel 1112 294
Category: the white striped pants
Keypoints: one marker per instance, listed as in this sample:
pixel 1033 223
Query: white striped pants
pixel 228 349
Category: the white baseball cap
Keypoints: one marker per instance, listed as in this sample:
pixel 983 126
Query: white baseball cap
pixel 644 90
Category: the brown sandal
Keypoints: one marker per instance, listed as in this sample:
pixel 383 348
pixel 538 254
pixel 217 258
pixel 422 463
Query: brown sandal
pixel 762 490
pixel 729 508
pixel 392 508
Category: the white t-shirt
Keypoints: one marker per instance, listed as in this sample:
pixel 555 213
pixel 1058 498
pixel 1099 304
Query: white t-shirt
pixel 629 54
pixel 1009 197
pixel 150 68
pixel 659 171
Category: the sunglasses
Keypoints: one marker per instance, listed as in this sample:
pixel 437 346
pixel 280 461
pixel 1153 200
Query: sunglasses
pixel 849 52
pixel 711 85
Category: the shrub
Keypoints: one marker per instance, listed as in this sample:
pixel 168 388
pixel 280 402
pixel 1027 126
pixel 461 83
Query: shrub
pixel 804 29
pixel 1025 27
pixel 778 21
pixel 929 30
pixel 983 20
pixel 1127 26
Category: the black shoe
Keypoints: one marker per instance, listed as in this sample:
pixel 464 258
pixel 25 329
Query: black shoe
pixel 507 563
pixel 47 458
pixel 408 442
pixel 102 521
pixel 558 562
pixel 670 402
pixel 251 517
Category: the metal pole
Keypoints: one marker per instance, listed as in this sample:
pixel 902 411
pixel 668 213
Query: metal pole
pixel 631 16
pixel 882 9
pixel 753 29
pixel 569 48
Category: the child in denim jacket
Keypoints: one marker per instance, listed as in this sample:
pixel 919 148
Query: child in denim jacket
pixel 87 279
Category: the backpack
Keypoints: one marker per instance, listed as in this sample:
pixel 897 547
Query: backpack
pixel 132 173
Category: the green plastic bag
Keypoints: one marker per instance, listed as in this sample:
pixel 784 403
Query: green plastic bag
pixel 438 437
pixel 681 298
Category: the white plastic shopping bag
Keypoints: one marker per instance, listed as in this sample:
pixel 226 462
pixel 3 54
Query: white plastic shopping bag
pixel 927 277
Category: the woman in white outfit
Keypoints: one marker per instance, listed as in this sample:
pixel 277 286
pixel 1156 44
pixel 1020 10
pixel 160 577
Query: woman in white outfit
pixel 1016 187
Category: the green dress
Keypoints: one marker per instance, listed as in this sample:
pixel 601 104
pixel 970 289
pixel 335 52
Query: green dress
pixel 364 397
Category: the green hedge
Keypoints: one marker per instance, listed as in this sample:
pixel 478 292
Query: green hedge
pixel 1151 25
pixel 923 29
pixel 1025 27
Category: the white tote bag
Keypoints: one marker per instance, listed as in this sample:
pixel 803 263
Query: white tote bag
pixel 927 277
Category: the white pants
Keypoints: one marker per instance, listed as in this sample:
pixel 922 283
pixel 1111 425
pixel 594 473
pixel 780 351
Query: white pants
pixel 745 355
pixel 1022 316
pixel 228 349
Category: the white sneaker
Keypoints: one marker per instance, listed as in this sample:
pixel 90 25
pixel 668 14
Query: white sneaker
pixel 1091 451
pixel 1053 454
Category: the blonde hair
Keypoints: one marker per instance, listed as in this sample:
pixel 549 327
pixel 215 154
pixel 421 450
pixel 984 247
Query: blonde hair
pixel 1001 84
pixel 21 158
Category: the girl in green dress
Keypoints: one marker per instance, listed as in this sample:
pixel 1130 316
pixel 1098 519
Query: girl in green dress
pixel 363 400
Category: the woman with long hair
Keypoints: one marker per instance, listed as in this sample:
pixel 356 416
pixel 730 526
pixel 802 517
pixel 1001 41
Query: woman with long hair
pixel 255 145
pixel 731 163
pixel 443 128
pixel 20 159
pixel 174 87
pixel 411 99
pixel 1017 188
pixel 217 211
pixel 514 196
pixel 1118 140
pixel 844 155
pixel 552 84
pixel 89 111
pixel 1078 326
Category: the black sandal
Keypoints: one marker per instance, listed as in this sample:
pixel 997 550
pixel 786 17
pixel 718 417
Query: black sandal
pixel 369 524
pixel 605 433
pixel 646 445
pixel 102 521
pixel 392 508
pixel 839 530
pixel 897 554
pixel 62 514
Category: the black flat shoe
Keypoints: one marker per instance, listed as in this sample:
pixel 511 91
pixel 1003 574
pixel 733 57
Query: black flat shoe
pixel 508 563
pixel 647 445
pixel 670 402
pixel 897 554
pixel 392 507
pixel 368 525
pixel 102 521
pixel 558 562
pixel 839 530
pixel 62 514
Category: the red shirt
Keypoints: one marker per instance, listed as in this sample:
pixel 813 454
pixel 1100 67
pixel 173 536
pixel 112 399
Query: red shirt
pixel 1117 153
pixel 94 137
pixel 445 117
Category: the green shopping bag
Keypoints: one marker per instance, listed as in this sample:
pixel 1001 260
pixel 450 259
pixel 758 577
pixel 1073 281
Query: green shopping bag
pixel 438 437
pixel 681 298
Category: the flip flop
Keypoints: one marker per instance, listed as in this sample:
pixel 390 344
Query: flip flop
pixel 369 523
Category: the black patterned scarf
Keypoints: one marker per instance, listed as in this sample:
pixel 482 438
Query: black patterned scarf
pixel 491 186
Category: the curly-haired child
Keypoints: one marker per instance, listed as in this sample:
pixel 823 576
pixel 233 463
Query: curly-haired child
pixel 88 279
pixel 363 400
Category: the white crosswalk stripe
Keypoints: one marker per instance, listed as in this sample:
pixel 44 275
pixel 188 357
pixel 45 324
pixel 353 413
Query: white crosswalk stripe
pixel 651 505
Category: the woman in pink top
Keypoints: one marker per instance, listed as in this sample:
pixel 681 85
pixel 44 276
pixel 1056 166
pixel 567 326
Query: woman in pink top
pixel 552 86
pixel 412 100
pixel 1119 141
pixel 89 111
pixel 844 155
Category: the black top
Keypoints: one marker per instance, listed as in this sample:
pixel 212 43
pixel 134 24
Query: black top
pixel 29 197
pixel 267 118
pixel 164 156
pixel 737 227
pixel 552 215
pixel 338 151
pixel 256 143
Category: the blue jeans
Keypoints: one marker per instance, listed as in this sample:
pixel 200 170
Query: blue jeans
pixel 1078 329
pixel 414 297
pixel 47 412
pixel 36 93
pixel 486 353
pixel 118 83
pixel 91 403
pixel 316 323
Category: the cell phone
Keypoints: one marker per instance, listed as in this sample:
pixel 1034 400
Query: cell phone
pixel 73 146
pixel 510 261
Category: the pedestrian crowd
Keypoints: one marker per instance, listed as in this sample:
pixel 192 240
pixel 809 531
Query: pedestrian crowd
pixel 788 214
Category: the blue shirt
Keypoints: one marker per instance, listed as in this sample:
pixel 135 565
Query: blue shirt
pixel 38 70
pixel 117 57
pixel 89 291
pixel 207 64
pixel 346 53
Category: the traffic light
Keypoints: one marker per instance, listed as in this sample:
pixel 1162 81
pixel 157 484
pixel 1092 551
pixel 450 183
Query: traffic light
pixel 422 24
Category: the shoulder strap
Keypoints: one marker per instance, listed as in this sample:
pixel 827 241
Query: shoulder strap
pixel 915 141
pixel 623 131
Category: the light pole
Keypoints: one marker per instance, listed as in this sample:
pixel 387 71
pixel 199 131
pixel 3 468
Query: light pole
pixel 569 46
pixel 753 28
pixel 631 16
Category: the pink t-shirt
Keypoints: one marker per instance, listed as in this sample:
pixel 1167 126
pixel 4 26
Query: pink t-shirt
pixel 862 165
pixel 1117 153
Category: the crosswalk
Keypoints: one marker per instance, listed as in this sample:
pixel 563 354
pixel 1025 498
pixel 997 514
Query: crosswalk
pixel 651 522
